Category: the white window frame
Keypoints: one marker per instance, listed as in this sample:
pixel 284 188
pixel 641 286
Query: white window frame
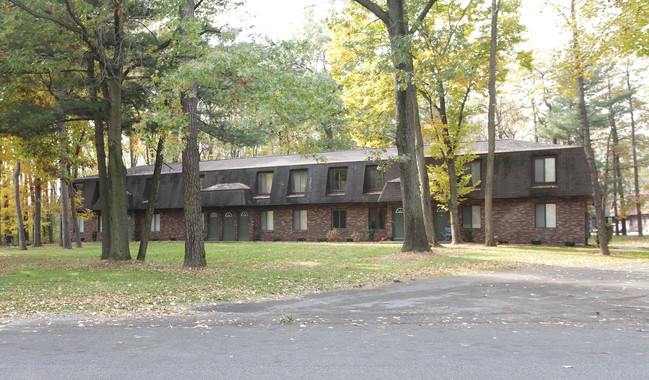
pixel 155 223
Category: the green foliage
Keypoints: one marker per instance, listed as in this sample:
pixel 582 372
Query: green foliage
pixel 609 235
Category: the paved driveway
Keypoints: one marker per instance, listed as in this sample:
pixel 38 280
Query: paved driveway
pixel 590 323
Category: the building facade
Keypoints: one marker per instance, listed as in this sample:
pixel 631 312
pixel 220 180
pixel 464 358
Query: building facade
pixel 541 193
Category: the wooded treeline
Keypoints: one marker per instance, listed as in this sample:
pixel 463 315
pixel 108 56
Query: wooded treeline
pixel 91 87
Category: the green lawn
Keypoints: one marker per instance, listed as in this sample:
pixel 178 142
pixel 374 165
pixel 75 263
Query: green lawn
pixel 50 281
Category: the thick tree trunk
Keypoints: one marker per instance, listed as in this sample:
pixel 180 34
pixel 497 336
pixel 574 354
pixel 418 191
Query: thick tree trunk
pixel 635 157
pixel 38 202
pixel 19 213
pixel 150 208
pixel 194 241
pixel 491 130
pixel 590 156
pixel 119 248
pixel 66 242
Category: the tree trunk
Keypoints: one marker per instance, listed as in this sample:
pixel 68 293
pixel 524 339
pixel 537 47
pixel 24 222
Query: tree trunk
pixel 38 201
pixel 585 126
pixel 19 213
pixel 119 248
pixel 104 196
pixel 194 241
pixel 456 232
pixel 153 193
pixel 66 242
pixel 638 204
pixel 491 127
pixel 75 216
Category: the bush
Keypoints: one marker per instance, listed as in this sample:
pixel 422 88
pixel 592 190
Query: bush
pixel 172 238
pixel 277 239
pixel 609 235
pixel 300 239
pixel 349 239
pixel 94 235
pixel 468 236
pixel 370 235
pixel 333 235
pixel 357 237
pixel 256 236
pixel 536 242
pixel 503 241
pixel 322 239
pixel 569 243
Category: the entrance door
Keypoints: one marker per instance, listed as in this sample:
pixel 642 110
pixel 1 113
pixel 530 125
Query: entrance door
pixel 228 226
pixel 243 231
pixel 397 223
pixel 441 222
pixel 213 226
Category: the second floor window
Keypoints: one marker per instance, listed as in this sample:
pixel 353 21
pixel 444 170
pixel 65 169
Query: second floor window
pixel 475 169
pixel 337 180
pixel 373 179
pixel 264 183
pixel 298 181
pixel 545 170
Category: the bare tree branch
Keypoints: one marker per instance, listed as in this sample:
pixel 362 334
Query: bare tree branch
pixel 422 16
pixel 377 10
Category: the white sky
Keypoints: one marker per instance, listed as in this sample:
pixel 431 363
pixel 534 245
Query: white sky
pixel 280 19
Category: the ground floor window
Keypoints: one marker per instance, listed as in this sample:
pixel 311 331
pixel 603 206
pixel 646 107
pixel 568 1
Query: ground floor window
pixel 471 216
pixel 377 218
pixel 266 220
pixel 155 223
pixel 299 220
pixel 339 219
pixel 546 215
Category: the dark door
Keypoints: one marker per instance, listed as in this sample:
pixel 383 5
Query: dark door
pixel 441 222
pixel 397 223
pixel 243 230
pixel 228 226
pixel 213 226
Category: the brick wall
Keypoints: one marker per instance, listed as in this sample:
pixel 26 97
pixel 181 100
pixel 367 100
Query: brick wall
pixel 514 221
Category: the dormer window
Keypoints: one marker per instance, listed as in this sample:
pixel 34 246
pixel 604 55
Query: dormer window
pixel 374 179
pixel 475 169
pixel 337 180
pixel 544 170
pixel 298 180
pixel 264 183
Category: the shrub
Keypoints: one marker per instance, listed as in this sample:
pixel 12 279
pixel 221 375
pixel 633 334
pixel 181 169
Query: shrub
pixel 277 239
pixel 256 236
pixel 370 235
pixel 300 239
pixel 94 235
pixel 333 235
pixel 569 243
pixel 357 237
pixel 172 238
pixel 536 242
pixel 349 239
pixel 609 235
pixel 468 236
pixel 503 241
pixel 322 239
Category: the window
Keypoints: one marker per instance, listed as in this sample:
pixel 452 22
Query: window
pixel 377 218
pixel 101 227
pixel 266 220
pixel 299 220
pixel 339 219
pixel 81 226
pixel 471 216
pixel 545 170
pixel 373 179
pixel 155 223
pixel 264 183
pixel 298 181
pixel 337 180
pixel 475 169
pixel 546 215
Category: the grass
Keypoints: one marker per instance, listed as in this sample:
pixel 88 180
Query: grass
pixel 52 282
